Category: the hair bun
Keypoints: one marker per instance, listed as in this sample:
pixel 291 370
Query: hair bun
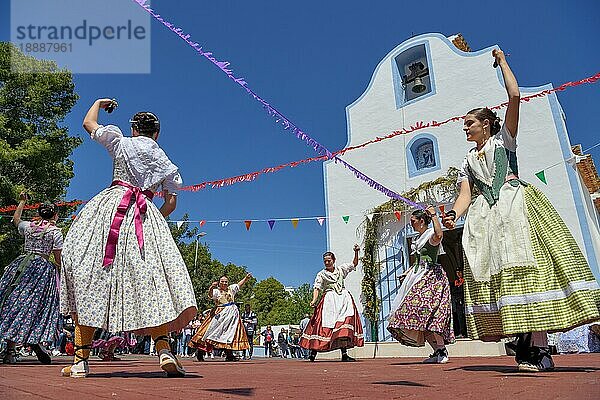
pixel 47 210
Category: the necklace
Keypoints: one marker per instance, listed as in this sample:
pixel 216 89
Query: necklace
pixel 481 155
pixel 481 152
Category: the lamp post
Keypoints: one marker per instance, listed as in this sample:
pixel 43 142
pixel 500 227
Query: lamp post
pixel 198 236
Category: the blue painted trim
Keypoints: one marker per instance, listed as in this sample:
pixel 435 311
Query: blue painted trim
pixel 326 187
pixel 574 183
pixel 410 161
pixel 398 49
pixel 397 77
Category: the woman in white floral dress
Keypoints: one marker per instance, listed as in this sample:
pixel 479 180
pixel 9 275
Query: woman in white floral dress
pixel 122 270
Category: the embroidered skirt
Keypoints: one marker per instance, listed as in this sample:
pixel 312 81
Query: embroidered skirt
pixel 422 306
pixel 335 324
pixel 547 287
pixel 137 291
pixel 582 339
pixel 223 329
pixel 29 303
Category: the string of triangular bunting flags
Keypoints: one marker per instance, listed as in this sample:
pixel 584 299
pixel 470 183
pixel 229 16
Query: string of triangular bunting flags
pixel 248 223
pixel 574 159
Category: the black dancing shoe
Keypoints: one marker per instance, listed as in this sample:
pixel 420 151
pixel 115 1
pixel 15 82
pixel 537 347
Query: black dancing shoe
pixel 346 357
pixel 42 354
pixel 541 361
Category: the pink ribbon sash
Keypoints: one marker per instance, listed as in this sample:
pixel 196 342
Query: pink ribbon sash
pixel 133 195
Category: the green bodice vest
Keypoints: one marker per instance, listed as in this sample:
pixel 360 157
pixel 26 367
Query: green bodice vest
pixel 506 164
pixel 427 254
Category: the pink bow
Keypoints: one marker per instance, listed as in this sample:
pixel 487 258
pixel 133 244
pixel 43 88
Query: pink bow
pixel 139 199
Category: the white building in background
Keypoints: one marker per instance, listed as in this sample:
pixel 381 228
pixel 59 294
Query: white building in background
pixel 452 80
pixel 289 290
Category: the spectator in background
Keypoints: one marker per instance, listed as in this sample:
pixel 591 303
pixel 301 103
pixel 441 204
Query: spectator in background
pixel 64 336
pixel 250 321
pixel 186 334
pixel 282 342
pixel 293 345
pixel 303 325
pixel 269 338
pixel 175 339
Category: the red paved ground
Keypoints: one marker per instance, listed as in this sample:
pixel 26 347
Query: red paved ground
pixel 137 377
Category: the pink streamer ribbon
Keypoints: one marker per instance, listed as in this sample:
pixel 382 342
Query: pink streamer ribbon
pixel 133 195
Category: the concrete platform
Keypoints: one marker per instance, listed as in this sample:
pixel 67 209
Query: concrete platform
pixel 138 377
pixel 462 348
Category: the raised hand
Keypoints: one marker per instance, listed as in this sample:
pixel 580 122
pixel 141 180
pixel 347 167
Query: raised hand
pixel 448 221
pixel 103 103
pixel 432 211
pixel 499 57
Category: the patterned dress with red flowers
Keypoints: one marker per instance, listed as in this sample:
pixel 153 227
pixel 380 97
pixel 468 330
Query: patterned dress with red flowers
pixel 422 304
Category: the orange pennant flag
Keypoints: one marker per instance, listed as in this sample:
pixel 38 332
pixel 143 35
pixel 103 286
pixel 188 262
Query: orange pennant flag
pixel 248 223
pixel 295 222
pixel 202 223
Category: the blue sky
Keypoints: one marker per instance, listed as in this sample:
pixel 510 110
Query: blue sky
pixel 310 60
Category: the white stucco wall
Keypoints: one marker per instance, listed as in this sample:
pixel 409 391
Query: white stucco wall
pixel 462 81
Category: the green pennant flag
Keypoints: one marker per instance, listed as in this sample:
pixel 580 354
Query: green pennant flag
pixel 541 176
pixel 346 218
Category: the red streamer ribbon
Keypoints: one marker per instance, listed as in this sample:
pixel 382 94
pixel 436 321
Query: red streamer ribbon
pixel 34 206
pixel 412 128
pixel 249 177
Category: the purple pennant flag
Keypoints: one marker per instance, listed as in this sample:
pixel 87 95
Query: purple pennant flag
pixel 271 223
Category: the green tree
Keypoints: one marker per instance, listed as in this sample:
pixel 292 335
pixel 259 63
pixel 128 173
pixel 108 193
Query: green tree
pixel 291 309
pixel 267 293
pixel 34 146
pixel 300 302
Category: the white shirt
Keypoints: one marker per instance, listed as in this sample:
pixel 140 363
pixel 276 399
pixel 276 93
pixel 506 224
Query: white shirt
pixel 138 160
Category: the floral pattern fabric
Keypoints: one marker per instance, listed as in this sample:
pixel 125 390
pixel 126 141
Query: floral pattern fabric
pixel 425 308
pixel 40 237
pixel 29 302
pixel 142 288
